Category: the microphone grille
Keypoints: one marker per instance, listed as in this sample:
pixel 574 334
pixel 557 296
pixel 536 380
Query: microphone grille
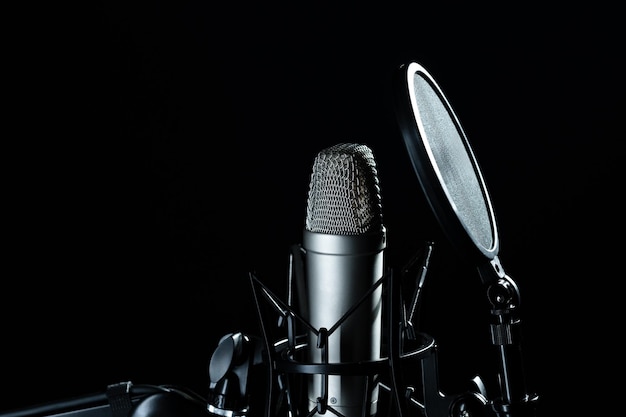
pixel 344 193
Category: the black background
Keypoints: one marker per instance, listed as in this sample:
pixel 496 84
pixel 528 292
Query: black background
pixel 157 152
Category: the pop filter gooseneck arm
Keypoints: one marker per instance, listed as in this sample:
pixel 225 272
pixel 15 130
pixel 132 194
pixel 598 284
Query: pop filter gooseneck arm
pixel 504 297
pixel 452 182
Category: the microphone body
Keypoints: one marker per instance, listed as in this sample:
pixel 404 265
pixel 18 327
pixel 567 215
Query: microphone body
pixel 343 256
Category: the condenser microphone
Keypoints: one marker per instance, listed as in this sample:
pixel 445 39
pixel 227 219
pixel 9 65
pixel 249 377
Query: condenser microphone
pixel 343 243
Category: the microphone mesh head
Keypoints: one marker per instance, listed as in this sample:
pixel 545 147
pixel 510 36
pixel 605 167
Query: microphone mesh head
pixel 344 194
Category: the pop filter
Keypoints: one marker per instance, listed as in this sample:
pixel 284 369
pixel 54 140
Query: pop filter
pixel 444 163
pixel 450 177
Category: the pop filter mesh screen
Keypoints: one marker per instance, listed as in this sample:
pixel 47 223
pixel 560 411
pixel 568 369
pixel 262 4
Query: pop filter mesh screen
pixel 452 163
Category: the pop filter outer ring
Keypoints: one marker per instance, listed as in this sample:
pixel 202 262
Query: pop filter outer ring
pixel 445 164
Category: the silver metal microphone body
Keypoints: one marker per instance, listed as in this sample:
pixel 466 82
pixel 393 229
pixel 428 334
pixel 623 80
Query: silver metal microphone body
pixel 343 244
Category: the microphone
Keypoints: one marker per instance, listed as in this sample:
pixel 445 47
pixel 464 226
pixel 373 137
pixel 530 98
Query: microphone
pixel 343 243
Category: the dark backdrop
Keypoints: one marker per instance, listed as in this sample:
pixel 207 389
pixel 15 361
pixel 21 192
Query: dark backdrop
pixel 158 152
